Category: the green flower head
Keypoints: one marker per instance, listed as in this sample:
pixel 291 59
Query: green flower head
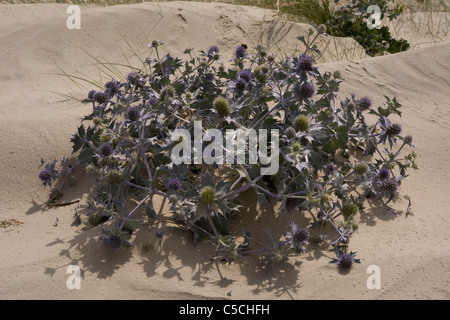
pixel 349 210
pixel 361 168
pixel 167 92
pixel 301 123
pixel 222 106
pixel 115 177
pixel 207 194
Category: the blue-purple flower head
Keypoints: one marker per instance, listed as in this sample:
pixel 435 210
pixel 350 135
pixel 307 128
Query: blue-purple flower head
pixel 344 260
pixel 45 176
pixel 174 184
pixel 91 94
pixel 383 173
pixel 106 149
pixel 245 75
pixel 152 101
pixel 210 77
pixel 394 129
pixel 114 241
pixel 100 97
pixel 306 63
pixel 112 87
pixel 133 78
pixel 329 168
pixel 240 84
pixel 48 174
pixel 133 113
pixel 391 186
pixel 306 91
pixel 115 238
pixel 212 50
pixel 298 238
pixel 364 103
pixel 241 52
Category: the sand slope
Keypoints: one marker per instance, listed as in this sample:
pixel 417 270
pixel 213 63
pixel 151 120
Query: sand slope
pixel 413 252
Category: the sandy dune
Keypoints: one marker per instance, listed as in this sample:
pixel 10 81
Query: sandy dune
pixel 412 252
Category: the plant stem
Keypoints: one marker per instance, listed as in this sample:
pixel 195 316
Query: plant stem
pixel 117 135
pixel 279 104
pixel 396 154
pixel 141 147
pixel 232 193
pixel 137 186
pixel 134 210
pixel 213 227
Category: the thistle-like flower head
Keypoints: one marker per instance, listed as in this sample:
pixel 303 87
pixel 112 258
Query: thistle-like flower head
pixel 383 173
pixel 240 84
pixel 408 139
pixel 298 238
pixel 45 175
pixel 210 77
pixel 290 133
pixel 301 123
pixel 351 106
pixel 321 29
pixel 240 52
pixel 115 177
pixel 207 194
pixel 133 77
pixel 364 103
pixel 106 149
pixel 152 100
pixel 167 92
pixel 329 168
pixel 245 75
pixel 222 106
pixel 344 260
pixel 213 50
pixel 112 87
pixel 91 94
pixel 349 210
pixel 174 184
pixel 100 97
pixel 393 130
pixel 155 44
pixel 306 63
pixel 391 186
pixel 296 147
pixel 133 113
pixel 114 241
pixel 306 90
pixel 361 168
pixel 115 238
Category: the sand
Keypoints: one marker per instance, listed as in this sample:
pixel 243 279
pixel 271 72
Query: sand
pixel 39 243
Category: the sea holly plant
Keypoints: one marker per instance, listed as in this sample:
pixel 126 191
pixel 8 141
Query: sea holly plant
pixel 201 131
